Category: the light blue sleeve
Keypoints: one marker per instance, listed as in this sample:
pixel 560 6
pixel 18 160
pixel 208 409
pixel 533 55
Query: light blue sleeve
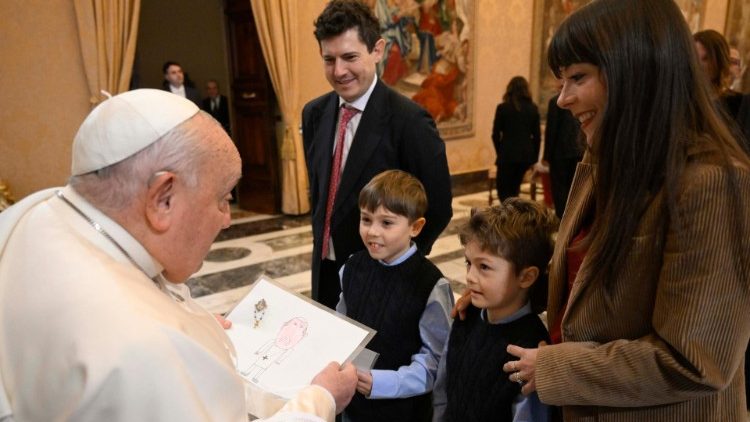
pixel 529 409
pixel 440 392
pixel 419 376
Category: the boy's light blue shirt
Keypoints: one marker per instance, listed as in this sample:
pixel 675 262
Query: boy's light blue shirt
pixel 525 408
pixel 434 327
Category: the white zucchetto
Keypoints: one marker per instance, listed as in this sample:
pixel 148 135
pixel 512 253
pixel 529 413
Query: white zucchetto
pixel 125 124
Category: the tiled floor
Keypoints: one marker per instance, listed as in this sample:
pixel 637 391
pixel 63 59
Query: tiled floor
pixel 281 246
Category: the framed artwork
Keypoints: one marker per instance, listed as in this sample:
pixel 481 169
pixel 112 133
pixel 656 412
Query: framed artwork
pixel 428 58
pixel 549 14
pixel 737 33
pixel 283 339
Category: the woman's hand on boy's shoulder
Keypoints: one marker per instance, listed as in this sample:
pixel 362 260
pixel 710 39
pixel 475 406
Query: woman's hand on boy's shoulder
pixel 463 302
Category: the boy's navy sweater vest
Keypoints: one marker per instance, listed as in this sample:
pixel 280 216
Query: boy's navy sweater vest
pixel 477 387
pixel 390 299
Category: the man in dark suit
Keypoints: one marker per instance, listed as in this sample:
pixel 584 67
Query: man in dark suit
pixel 174 82
pixel 562 151
pixel 387 131
pixel 216 104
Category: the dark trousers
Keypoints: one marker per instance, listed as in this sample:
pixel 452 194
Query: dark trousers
pixel 509 178
pixel 561 174
pixel 329 284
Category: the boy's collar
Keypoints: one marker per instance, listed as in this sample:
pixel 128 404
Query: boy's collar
pixel 403 257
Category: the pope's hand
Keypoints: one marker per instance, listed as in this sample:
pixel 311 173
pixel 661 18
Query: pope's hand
pixel 340 381
pixel 225 323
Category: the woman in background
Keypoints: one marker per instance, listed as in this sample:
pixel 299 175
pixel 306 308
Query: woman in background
pixel 516 136
pixel 713 55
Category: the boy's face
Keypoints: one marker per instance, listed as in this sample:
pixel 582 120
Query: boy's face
pixel 387 235
pixel 494 284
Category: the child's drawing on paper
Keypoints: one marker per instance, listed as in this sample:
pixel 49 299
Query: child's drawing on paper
pixel 277 349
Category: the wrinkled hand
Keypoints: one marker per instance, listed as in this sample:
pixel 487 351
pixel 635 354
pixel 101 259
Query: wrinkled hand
pixel 340 381
pixel 524 368
pixel 225 323
pixel 364 383
pixel 463 302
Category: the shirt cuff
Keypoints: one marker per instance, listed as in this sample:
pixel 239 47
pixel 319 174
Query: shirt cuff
pixel 384 384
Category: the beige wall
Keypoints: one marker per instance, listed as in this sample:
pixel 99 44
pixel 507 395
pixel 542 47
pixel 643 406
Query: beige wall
pixel 44 91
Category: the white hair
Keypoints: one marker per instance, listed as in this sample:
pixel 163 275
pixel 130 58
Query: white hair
pixel 181 150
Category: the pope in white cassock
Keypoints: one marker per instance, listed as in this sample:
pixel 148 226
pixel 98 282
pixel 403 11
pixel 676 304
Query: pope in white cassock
pixel 95 323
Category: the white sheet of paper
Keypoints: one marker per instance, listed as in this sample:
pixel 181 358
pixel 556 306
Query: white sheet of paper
pixel 294 340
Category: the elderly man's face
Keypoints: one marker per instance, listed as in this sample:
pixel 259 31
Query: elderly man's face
pixel 203 211
pixel 212 90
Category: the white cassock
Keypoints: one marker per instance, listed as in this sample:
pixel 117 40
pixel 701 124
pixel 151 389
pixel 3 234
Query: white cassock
pixel 85 335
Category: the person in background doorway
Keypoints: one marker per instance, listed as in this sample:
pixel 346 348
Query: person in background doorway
pixel 175 82
pixel 216 105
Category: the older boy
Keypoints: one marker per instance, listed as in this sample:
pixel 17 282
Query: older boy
pixel 394 289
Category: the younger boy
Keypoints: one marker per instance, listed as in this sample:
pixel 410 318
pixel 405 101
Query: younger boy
pixel 507 249
pixel 394 289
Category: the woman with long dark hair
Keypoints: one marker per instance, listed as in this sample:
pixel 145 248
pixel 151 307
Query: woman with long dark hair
pixel 713 55
pixel 649 291
pixel 516 136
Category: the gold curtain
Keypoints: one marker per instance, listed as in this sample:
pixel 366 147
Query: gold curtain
pixel 277 24
pixel 107 31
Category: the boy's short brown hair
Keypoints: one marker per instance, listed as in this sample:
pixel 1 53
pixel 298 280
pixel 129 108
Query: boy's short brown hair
pixel 397 191
pixel 519 231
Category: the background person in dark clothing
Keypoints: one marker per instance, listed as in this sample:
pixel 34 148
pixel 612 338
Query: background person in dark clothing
pixel 516 137
pixel 562 152
pixel 216 105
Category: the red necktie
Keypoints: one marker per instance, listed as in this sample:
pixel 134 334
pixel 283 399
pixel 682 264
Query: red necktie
pixel 346 114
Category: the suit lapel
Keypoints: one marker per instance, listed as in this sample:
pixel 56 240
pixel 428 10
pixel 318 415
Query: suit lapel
pixel 369 135
pixel 578 207
pixel 323 142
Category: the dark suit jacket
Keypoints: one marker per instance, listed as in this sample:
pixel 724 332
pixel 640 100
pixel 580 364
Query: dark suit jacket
pixel 743 120
pixel 221 114
pixel 561 134
pixel 191 94
pixel 516 133
pixel 663 345
pixel 393 133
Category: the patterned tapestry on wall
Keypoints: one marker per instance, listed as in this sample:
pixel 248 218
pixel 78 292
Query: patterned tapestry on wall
pixel 428 57
pixel 737 33
pixel 549 14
